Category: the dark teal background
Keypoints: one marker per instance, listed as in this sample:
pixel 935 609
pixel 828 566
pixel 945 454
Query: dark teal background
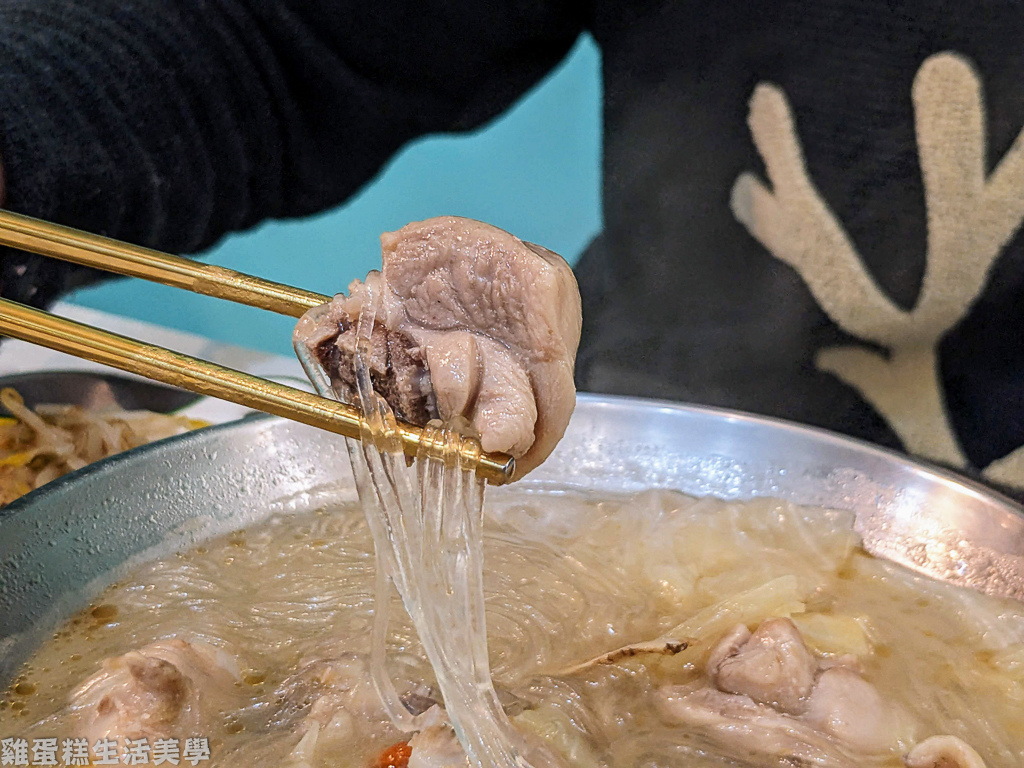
pixel 534 172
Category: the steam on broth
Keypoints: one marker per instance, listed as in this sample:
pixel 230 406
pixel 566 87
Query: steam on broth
pixel 569 577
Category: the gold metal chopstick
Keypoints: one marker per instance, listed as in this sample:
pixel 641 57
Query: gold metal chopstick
pixel 67 244
pixel 87 249
pixel 37 327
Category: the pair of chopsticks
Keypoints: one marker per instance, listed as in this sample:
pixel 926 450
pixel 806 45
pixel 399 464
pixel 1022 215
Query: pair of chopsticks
pixel 200 376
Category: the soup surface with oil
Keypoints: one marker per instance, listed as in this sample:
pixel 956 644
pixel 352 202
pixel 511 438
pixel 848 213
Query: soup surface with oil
pixel 609 622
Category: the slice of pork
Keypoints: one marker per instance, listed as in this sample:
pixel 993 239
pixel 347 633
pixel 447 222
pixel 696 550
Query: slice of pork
pixel 164 689
pixel 469 321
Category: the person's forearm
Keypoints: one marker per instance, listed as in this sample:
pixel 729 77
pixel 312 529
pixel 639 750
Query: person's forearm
pixel 138 119
pixel 172 124
pixel 144 121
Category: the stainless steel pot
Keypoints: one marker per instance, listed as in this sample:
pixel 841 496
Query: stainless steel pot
pixel 61 544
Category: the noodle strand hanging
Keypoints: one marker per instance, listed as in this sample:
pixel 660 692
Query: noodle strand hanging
pixel 426 522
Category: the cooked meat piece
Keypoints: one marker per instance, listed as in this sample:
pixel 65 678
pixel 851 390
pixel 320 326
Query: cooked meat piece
pixel 396 364
pixel 775 698
pixel 437 747
pixel 943 752
pixel 727 647
pixel 750 733
pixel 771 666
pixel 335 697
pixel 321 686
pixel 158 691
pixel 469 321
pixel 844 705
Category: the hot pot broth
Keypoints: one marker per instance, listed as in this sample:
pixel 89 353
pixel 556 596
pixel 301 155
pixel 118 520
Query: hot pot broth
pixel 568 577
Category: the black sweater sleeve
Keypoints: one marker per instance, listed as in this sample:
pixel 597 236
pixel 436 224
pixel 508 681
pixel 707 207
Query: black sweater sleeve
pixel 169 124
